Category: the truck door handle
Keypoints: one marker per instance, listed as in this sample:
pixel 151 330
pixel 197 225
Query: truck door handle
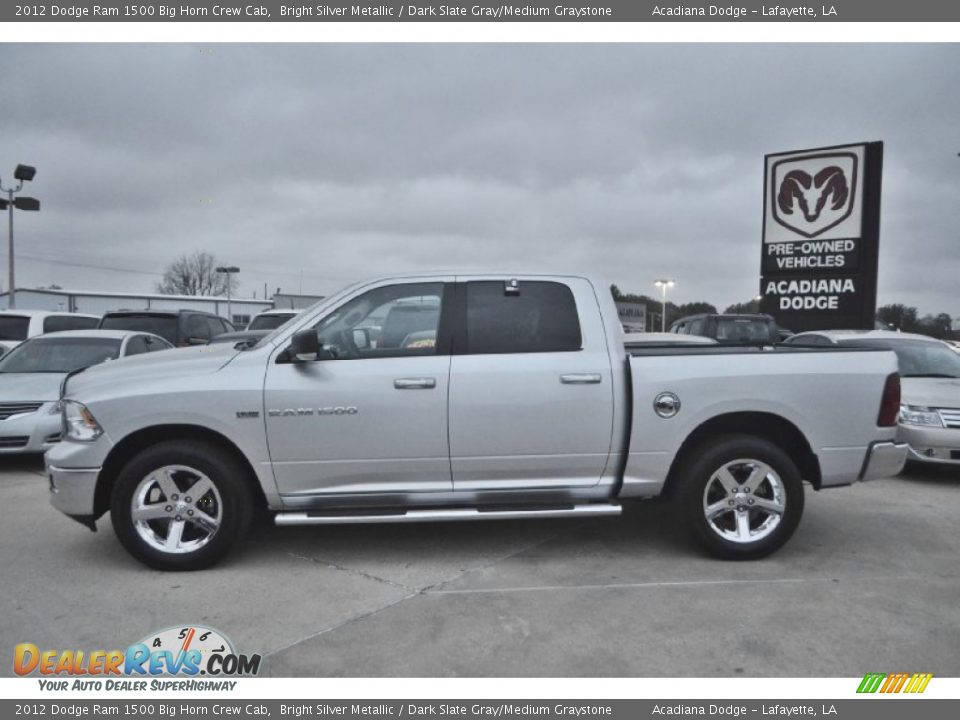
pixel 415 383
pixel 580 379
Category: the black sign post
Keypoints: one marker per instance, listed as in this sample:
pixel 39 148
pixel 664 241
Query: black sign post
pixel 821 235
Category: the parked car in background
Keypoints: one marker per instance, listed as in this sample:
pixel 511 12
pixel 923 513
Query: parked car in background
pixel 179 327
pixel 271 319
pixel 18 325
pixel 31 373
pixel 730 329
pixel 930 387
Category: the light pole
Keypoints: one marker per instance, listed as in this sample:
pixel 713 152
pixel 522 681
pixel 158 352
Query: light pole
pixel 23 173
pixel 229 270
pixel 663 284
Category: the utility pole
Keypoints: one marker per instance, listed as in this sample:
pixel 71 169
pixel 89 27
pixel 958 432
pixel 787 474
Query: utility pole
pixel 23 173
pixel 229 270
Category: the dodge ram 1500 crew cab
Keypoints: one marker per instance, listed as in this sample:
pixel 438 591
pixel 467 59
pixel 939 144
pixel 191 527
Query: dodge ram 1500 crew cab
pixel 449 397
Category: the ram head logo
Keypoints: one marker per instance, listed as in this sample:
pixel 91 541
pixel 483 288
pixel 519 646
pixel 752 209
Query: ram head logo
pixel 815 193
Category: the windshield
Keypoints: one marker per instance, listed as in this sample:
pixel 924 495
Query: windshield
pixel 268 322
pixel 58 355
pixel 14 327
pixel 163 325
pixel 918 358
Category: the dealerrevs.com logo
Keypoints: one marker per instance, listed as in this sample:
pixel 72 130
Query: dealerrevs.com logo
pixel 186 651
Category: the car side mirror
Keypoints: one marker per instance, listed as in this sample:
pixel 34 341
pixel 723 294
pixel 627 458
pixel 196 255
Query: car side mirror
pixel 198 341
pixel 305 345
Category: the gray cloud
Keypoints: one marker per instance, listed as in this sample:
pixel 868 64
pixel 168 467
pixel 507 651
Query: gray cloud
pixel 345 161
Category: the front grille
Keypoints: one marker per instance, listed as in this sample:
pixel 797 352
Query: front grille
pixel 55 438
pixel 8 409
pixel 950 417
pixel 14 441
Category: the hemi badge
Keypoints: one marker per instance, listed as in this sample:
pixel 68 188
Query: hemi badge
pixel 248 414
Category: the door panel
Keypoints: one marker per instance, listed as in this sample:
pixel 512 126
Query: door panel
pixel 529 419
pixel 371 417
pixel 364 434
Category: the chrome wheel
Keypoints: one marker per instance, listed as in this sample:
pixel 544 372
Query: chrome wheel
pixel 176 509
pixel 744 501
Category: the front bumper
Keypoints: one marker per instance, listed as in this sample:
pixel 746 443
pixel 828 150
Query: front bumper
pixel 884 459
pixel 72 490
pixel 931 444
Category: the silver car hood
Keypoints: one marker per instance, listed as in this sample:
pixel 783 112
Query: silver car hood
pixel 27 387
pixel 931 392
pixel 135 370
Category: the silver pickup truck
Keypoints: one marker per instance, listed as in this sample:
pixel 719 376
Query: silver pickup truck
pixel 465 397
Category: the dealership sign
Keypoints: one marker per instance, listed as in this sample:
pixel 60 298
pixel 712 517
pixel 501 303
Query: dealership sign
pixel 820 237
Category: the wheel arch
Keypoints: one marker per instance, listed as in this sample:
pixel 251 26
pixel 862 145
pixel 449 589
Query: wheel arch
pixel 769 426
pixel 137 441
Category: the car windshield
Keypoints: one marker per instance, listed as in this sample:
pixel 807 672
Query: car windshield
pixel 163 325
pixel 14 327
pixel 59 355
pixel 268 322
pixel 919 358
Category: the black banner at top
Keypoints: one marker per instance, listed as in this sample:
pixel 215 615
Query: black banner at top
pixel 483 11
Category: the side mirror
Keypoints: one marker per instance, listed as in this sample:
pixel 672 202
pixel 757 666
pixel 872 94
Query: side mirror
pixel 305 345
pixel 198 341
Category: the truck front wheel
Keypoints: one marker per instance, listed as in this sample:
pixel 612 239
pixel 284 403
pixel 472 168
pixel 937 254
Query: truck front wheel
pixel 742 496
pixel 180 505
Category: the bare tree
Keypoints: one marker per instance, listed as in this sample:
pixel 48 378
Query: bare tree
pixel 195 274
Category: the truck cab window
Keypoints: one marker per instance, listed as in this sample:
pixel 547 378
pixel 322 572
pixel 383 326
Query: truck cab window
pixel 390 321
pixel 540 317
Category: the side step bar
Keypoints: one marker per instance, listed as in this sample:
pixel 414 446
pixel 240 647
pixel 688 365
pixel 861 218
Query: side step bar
pixel 439 514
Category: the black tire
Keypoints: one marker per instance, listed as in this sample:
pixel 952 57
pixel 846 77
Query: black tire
pixel 703 485
pixel 230 502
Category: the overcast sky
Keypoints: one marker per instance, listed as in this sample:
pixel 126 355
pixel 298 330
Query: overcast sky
pixel 324 164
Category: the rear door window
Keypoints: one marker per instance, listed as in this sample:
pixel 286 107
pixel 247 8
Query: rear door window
pixel 136 345
pixel 540 316
pixel 14 327
pixel 198 328
pixel 56 323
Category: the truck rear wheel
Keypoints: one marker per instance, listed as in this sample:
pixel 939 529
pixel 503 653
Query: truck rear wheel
pixel 181 505
pixel 741 496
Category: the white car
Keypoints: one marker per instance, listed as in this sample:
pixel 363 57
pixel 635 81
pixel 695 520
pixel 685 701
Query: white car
pixel 31 374
pixel 930 388
pixel 18 325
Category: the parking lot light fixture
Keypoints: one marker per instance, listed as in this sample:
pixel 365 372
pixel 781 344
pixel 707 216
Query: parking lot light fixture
pixel 229 270
pixel 22 174
pixel 663 284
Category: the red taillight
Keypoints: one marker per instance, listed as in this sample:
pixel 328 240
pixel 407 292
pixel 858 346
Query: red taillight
pixel 890 404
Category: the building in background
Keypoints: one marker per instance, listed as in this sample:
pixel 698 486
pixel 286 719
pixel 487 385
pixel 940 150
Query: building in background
pixel 287 301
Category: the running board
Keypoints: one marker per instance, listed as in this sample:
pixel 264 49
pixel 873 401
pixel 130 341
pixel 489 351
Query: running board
pixel 440 514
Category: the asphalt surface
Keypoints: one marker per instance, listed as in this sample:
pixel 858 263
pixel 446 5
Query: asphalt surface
pixel 870 582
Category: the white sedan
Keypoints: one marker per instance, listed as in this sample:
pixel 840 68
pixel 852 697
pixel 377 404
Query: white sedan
pixel 31 373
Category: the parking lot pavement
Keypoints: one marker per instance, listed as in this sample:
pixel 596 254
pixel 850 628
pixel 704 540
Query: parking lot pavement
pixel 869 583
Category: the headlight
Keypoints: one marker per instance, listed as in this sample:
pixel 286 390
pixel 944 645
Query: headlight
pixel 78 422
pixel 917 415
